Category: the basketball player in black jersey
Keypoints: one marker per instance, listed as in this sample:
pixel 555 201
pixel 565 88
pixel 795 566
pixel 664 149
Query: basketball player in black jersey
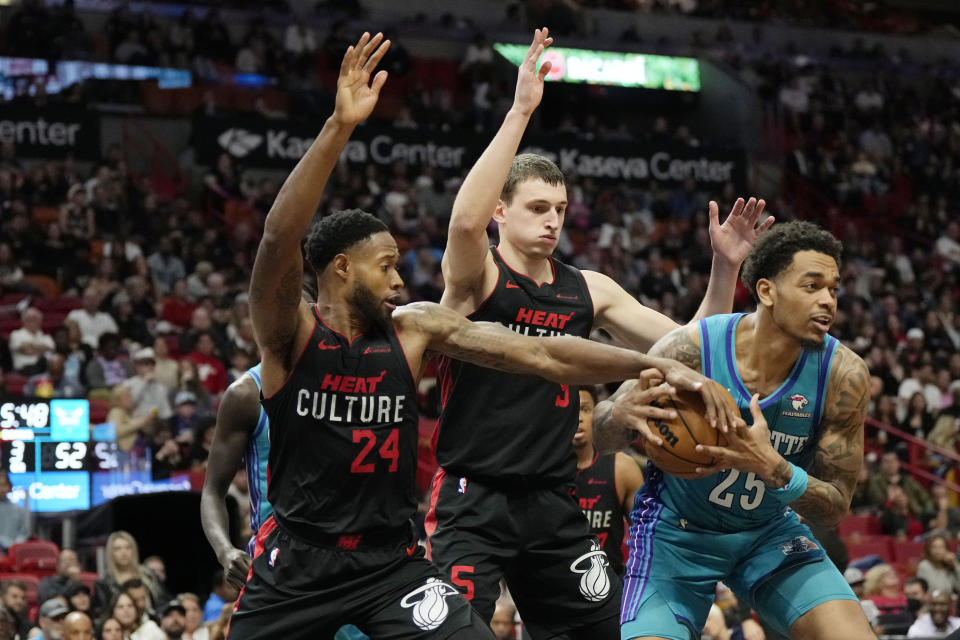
pixel 503 442
pixel 606 484
pixel 339 385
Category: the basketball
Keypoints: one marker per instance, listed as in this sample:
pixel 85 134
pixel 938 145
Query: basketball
pixel 678 455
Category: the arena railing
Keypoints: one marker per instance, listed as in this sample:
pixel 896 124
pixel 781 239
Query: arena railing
pixel 926 447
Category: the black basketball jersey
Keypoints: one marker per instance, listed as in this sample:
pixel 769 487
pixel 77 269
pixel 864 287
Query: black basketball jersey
pixel 343 436
pixel 502 426
pixel 597 494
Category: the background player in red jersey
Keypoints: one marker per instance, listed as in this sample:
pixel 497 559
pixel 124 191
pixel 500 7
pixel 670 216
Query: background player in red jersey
pixel 606 483
pixel 339 387
pixel 501 477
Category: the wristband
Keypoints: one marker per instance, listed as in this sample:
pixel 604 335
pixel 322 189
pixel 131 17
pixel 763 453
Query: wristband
pixel 795 488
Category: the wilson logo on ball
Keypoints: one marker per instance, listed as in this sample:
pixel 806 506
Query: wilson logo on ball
pixel 669 436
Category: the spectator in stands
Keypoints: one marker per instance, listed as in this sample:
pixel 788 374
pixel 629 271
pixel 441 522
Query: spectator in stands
pixel 76 216
pixel 218 629
pixel 68 568
pixel 193 617
pixel 76 354
pixel 50 618
pixel 111 629
pixel 202 441
pixel 130 326
pixel 178 308
pixel 201 322
pixel 123 563
pixel 93 323
pixel 166 369
pixel 11 274
pixel 15 602
pixel 128 427
pixel 136 589
pixel 921 380
pixel 14 519
pixel 210 369
pixel 124 610
pixel 190 381
pixel 937 623
pixel 8 625
pixel 108 369
pixel 916 591
pixel 169 453
pixel 159 569
pixel 29 344
pixel 149 396
pixel 502 623
pixel 223 593
pixel 882 586
pixel 53 382
pixel 939 566
pixel 186 419
pixel 918 421
pixel 889 474
pixel 167 268
pixel 77 626
pixel 946 517
pixel 173 620
pixel 79 597
pixel 897 519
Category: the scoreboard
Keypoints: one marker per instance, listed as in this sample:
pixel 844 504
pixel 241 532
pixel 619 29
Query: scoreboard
pixel 51 452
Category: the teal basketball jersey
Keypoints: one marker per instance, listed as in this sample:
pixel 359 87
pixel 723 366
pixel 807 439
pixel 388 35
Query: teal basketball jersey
pixel 733 500
pixel 256 457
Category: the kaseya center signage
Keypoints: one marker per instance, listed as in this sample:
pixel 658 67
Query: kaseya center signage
pixel 279 144
pixel 51 133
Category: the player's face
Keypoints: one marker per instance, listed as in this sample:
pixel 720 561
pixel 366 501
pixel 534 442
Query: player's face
pixel 533 218
pixel 375 280
pixel 584 435
pixel 804 298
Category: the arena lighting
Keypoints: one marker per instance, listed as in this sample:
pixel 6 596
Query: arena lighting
pixel 66 73
pixel 613 68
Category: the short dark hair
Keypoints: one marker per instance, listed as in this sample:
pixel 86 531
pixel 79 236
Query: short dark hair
pixel 338 232
pixel 774 250
pixel 6 585
pixel 592 390
pixel 132 583
pixel 530 166
pixel 916 580
pixel 108 339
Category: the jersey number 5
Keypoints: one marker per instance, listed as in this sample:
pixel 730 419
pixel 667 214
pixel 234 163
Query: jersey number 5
pixel 389 450
pixel 724 498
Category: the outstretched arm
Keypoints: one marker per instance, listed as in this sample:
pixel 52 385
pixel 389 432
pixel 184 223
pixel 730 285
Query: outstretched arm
pixel 464 261
pixel 618 419
pixel 833 473
pixel 236 419
pixel 562 359
pixel 731 243
pixel 275 306
pixel 637 326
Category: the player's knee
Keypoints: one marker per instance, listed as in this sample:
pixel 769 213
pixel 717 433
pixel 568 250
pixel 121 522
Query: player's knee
pixel 833 620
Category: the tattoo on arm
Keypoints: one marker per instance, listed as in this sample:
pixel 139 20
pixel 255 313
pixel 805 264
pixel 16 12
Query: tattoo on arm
pixel 781 476
pixel 607 436
pixel 839 455
pixel 679 345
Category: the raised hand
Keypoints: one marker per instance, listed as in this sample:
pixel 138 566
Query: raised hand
pixel 356 95
pixel 529 79
pixel 733 239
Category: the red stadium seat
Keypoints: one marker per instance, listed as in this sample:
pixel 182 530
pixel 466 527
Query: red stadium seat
pixel 15 383
pixel 859 525
pixel 30 581
pixel 98 410
pixel 5 565
pixel 873 547
pixel 908 552
pixel 34 556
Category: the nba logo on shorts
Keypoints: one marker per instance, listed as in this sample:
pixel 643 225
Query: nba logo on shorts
pixel 594 581
pixel 463 486
pixel 430 611
pixel 273 556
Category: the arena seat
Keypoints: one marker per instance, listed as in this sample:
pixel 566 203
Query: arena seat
pixel 876 546
pixel 908 552
pixel 15 383
pixel 30 582
pixel 859 525
pixel 89 579
pixel 34 556
pixel 4 563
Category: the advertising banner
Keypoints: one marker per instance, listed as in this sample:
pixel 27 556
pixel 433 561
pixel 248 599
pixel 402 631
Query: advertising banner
pixel 51 133
pixel 279 144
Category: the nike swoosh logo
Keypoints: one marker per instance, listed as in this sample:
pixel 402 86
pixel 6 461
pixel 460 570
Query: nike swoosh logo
pixel 510 285
pixel 322 345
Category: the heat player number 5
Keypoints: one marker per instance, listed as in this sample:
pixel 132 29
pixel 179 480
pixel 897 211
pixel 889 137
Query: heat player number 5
pixel 389 450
